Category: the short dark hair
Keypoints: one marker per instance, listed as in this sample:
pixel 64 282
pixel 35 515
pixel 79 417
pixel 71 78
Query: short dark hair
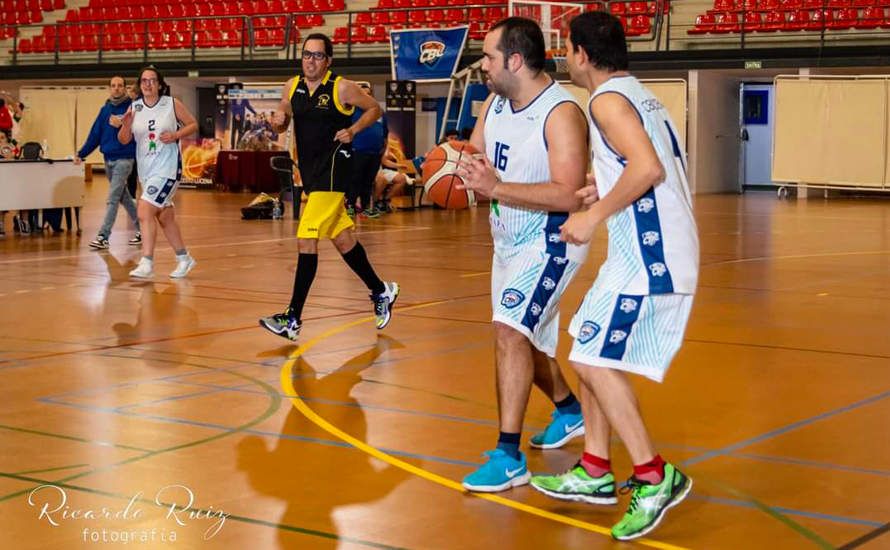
pixel 122 77
pixel 523 36
pixel 601 36
pixel 328 45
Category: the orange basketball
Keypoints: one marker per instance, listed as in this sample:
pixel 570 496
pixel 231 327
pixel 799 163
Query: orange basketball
pixel 440 180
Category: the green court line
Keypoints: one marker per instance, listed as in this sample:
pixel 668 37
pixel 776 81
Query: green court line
pixel 815 538
pixel 56 469
pixel 73 438
pixel 208 512
pixel 274 405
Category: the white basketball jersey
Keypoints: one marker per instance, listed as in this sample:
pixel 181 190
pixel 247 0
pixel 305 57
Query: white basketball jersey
pixel 155 159
pixel 653 243
pixel 517 147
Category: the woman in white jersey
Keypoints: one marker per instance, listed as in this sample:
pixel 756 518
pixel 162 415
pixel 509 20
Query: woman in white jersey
pixel 157 122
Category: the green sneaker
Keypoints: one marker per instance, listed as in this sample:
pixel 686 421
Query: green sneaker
pixel 577 485
pixel 648 503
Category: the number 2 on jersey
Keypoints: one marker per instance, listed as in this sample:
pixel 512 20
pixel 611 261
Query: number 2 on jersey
pixel 500 155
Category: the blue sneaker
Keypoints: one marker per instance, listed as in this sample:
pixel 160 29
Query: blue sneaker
pixel 562 429
pixel 498 474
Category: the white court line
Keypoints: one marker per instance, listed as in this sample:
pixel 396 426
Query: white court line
pixel 400 229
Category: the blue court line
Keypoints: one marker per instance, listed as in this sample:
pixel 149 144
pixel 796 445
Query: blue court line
pixel 787 511
pixel 813 464
pixel 430 458
pixel 780 431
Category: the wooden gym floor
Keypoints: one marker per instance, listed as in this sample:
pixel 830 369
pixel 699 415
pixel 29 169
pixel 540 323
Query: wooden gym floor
pixel 122 398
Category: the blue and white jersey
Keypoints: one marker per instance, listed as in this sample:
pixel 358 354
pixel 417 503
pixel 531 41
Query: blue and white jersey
pixel 155 159
pixel 517 147
pixel 653 243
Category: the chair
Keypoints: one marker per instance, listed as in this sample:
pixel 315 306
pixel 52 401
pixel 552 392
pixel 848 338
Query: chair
pixel 284 167
pixel 31 151
pixel 704 23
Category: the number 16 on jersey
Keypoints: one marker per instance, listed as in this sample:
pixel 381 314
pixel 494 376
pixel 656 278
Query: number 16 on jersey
pixel 500 155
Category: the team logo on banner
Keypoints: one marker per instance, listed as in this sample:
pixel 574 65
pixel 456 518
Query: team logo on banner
pixel 428 55
pixel 431 52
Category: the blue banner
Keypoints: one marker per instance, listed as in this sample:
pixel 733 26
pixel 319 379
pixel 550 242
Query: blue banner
pixel 426 55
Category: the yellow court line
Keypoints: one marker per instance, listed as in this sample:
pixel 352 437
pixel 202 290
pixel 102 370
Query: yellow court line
pixel 468 275
pixel 300 405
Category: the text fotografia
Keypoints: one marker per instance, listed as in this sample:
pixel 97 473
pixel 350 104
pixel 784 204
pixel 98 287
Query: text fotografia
pixel 175 508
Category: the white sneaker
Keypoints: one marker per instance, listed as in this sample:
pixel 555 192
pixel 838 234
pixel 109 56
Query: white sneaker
pixel 183 267
pixel 145 269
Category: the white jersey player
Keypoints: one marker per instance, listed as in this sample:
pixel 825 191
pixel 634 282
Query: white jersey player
pixel 157 122
pixel 535 139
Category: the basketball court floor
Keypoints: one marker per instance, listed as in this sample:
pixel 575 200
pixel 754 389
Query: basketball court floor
pixel 159 415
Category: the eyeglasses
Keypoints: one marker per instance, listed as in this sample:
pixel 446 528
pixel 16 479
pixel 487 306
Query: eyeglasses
pixel 318 56
pixel 149 80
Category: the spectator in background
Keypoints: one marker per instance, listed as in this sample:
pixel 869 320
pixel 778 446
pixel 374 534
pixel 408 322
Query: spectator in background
pixel 368 146
pixel 10 112
pixel 120 161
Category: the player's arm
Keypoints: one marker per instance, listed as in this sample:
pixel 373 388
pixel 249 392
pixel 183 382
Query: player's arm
pixel 622 128
pixel 187 122
pixel 351 94
pixel 567 150
pixel 477 138
pixel 125 133
pixel 284 112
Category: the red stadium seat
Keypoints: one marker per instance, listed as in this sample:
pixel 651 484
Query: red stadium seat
pixel 726 22
pixel 377 33
pixel 871 18
pixel 704 23
pixel 844 18
pixel 753 21
pixel 639 25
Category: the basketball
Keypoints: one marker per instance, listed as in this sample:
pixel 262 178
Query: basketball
pixel 440 180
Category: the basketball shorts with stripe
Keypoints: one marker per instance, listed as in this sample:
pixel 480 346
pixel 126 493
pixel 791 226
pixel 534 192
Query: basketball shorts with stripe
pixel 633 333
pixel 525 293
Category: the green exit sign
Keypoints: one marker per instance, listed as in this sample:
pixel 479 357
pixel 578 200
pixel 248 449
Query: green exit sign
pixel 753 64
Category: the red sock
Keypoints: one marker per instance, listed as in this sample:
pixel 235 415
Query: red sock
pixel 595 466
pixel 651 472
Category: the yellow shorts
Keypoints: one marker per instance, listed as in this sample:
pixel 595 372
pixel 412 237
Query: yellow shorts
pixel 324 216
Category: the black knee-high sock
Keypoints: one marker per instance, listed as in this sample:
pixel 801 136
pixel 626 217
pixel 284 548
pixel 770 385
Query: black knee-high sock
pixel 307 265
pixel 357 260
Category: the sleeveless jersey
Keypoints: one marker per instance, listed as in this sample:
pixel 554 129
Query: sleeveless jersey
pixel 653 243
pixel 318 116
pixel 155 159
pixel 516 145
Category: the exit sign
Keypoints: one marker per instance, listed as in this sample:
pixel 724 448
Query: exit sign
pixel 753 64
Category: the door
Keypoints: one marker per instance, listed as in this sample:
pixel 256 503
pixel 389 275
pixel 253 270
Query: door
pixel 756 118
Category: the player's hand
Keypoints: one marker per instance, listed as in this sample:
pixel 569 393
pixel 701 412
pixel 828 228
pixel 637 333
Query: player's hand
pixel 578 229
pixel 478 175
pixel 344 136
pixel 168 137
pixel 588 194
pixel 115 120
pixel 127 119
pixel 77 161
